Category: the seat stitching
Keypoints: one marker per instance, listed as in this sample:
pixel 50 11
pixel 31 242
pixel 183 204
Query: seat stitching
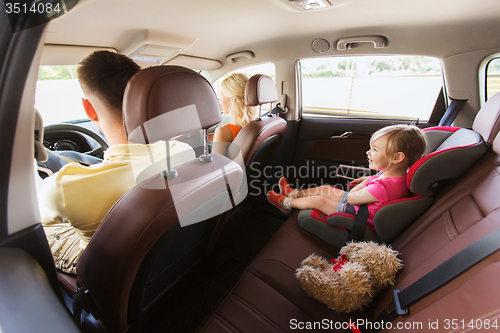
pixel 256 311
pixel 449 226
pixel 225 323
pixel 296 305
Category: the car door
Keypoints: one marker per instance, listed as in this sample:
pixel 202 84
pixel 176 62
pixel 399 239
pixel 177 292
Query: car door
pixel 333 151
pixel 344 100
pixel 29 293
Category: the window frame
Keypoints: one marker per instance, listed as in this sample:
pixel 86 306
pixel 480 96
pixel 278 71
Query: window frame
pixel 299 105
pixel 483 77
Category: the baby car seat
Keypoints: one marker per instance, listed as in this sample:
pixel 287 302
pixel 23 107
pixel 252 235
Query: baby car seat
pixel 451 151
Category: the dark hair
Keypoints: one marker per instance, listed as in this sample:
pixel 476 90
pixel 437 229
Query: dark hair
pixel 105 74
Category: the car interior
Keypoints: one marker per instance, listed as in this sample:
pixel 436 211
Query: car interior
pixel 198 247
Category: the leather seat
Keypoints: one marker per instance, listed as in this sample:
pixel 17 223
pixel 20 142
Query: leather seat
pixel 161 228
pixel 268 297
pixel 259 140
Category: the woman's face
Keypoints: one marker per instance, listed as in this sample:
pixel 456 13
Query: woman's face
pixel 226 102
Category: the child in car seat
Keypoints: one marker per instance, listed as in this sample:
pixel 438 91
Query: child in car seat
pixel 393 149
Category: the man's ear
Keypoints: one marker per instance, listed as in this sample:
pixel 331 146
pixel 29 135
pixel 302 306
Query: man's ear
pixel 398 157
pixel 89 109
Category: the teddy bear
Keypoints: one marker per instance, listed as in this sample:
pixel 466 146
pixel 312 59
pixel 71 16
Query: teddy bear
pixel 350 282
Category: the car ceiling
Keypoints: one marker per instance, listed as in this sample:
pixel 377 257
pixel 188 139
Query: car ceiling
pixel 275 29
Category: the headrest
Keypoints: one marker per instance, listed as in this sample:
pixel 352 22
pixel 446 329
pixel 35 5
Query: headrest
pixel 260 89
pixel 487 121
pixel 451 152
pixel 40 152
pixel 166 101
pixel 496 145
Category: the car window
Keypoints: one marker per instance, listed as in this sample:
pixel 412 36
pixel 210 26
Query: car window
pixel 58 95
pixel 492 77
pixel 266 69
pixel 399 87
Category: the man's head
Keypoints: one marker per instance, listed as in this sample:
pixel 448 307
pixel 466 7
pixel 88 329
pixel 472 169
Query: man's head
pixel 103 76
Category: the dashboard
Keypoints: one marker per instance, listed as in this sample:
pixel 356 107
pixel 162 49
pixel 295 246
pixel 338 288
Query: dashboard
pixel 67 140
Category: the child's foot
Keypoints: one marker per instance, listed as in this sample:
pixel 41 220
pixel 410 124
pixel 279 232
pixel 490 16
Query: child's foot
pixel 277 200
pixel 285 189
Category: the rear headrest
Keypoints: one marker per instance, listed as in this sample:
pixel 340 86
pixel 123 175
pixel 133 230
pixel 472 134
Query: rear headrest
pixel 166 101
pixel 260 89
pixel 487 121
pixel 451 152
pixel 496 145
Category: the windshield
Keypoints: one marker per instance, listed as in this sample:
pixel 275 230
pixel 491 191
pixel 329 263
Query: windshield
pixel 58 95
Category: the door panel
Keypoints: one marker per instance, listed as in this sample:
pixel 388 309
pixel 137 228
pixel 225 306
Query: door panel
pixel 351 149
pixel 326 143
pixel 29 292
pixel 27 299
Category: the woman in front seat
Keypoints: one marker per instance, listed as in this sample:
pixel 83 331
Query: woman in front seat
pixel 233 103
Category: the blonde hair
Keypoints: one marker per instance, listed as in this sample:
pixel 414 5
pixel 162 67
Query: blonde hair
pixel 233 87
pixel 408 139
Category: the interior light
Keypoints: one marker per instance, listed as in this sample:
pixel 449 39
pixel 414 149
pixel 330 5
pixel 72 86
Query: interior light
pixel 311 4
pixel 154 54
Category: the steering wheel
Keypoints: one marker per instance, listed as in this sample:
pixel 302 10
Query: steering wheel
pixel 93 156
pixel 103 145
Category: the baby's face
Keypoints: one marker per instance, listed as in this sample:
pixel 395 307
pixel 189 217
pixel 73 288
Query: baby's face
pixel 377 158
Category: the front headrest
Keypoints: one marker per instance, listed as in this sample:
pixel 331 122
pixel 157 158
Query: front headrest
pixel 260 89
pixel 166 101
pixel 452 151
pixel 40 152
pixel 487 121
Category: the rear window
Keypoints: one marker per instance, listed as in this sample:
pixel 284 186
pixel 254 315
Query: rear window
pixel 492 78
pixel 397 87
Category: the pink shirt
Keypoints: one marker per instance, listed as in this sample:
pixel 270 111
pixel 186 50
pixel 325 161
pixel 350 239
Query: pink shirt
pixel 385 189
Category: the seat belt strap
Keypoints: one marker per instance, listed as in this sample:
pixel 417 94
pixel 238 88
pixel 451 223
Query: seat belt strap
pixel 359 226
pixel 452 112
pixel 439 276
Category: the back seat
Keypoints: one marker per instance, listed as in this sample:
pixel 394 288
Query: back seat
pixel 268 297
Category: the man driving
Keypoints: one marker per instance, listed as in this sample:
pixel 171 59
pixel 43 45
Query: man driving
pixel 74 201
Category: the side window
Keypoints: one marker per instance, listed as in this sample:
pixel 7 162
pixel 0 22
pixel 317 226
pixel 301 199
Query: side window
pixel 492 77
pixel 394 87
pixel 58 95
pixel 266 68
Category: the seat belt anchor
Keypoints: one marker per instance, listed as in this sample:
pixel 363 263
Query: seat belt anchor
pixel 397 303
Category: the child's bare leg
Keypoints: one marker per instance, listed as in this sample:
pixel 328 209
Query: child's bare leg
pixel 321 203
pixel 326 191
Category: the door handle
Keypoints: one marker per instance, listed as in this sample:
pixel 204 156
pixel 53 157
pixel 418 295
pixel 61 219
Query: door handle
pixel 344 135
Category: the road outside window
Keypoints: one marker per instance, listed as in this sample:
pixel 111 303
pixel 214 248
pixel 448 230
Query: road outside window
pixel 395 87
pixel 58 95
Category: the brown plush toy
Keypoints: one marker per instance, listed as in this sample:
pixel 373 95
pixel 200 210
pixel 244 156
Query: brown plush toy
pixel 349 283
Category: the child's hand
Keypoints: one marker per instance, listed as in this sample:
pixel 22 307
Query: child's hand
pixel 357 181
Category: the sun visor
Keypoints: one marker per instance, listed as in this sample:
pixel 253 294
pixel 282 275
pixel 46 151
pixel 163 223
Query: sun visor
pixel 55 55
pixel 195 63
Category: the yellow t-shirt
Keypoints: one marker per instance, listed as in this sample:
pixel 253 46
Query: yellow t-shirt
pixel 74 200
